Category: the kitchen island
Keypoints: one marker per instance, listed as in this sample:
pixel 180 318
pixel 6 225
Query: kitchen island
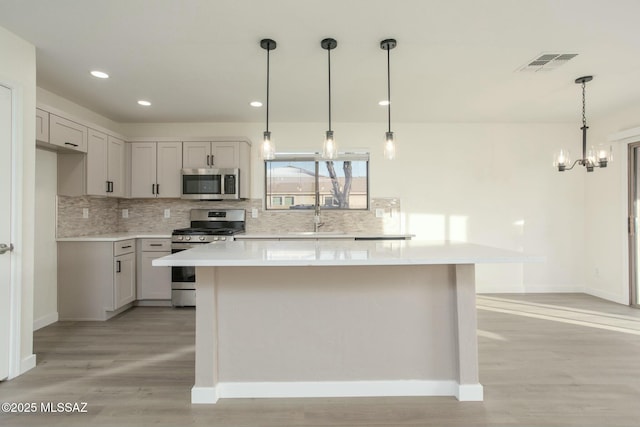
pixel 336 318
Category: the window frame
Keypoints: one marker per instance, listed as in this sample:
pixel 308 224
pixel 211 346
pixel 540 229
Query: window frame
pixel 317 159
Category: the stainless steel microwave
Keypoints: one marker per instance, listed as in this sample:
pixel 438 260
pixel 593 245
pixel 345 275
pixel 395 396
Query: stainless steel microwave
pixel 211 184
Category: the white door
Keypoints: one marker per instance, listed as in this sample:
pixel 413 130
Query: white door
pixel 5 228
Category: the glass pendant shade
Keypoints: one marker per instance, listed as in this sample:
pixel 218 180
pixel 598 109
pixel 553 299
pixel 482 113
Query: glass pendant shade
pixel 329 149
pixel 603 155
pixel 561 159
pixel 268 147
pixel 389 146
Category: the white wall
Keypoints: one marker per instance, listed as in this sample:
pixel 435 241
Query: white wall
pixel 606 210
pixel 44 97
pixel 19 71
pixel 490 184
pixel 45 287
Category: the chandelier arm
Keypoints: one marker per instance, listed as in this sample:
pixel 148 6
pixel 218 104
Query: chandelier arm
pixel 574 164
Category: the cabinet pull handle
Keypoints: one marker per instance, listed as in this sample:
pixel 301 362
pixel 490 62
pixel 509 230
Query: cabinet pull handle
pixel 71 143
pixel 155 244
pixel 158 189
pixel 153 189
pixel 107 186
pixel 118 267
pixel 126 247
pixel 110 186
pixel 208 160
pixel 212 160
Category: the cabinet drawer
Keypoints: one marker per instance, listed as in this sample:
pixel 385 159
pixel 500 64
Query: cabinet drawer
pixel 67 134
pixel 156 245
pixel 124 247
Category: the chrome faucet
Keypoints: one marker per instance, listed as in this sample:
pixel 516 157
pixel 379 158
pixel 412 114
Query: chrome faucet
pixel 317 223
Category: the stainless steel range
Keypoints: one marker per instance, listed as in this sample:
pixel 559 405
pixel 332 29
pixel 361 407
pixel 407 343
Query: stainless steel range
pixel 207 226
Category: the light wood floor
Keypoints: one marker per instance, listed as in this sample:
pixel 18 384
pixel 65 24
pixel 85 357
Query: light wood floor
pixel 545 360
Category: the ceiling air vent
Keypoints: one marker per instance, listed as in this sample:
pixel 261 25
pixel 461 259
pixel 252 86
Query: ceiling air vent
pixel 547 62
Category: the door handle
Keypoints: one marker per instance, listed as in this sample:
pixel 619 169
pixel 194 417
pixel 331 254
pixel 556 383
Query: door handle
pixel 4 248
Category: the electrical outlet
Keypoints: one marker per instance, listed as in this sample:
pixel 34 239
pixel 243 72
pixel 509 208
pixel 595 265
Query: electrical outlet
pixel 167 213
pixel 379 213
pixel 85 213
pixel 254 213
pixel 125 213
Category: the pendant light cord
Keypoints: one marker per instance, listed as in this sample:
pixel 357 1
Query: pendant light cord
pixel 329 63
pixel 389 87
pixel 584 114
pixel 268 51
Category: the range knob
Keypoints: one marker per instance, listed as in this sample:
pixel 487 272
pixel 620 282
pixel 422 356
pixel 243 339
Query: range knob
pixel 201 238
pixel 215 238
pixel 223 238
pixel 179 237
pixel 187 238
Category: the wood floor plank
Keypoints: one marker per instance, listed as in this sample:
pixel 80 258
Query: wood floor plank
pixel 545 360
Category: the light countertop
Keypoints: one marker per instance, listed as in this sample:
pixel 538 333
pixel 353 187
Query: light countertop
pixel 334 235
pixel 257 253
pixel 115 237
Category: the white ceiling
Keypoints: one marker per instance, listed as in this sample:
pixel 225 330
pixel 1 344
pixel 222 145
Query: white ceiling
pixel 456 60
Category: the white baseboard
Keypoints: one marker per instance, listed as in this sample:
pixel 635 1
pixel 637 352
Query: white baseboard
pixel 609 296
pixel 27 364
pixel 470 393
pixel 530 289
pixel 43 321
pixel 204 395
pixel 466 392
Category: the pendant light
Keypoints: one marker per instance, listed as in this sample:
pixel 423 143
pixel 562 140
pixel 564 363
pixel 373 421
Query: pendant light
pixel 389 144
pixel 594 158
pixel 329 149
pixel 268 148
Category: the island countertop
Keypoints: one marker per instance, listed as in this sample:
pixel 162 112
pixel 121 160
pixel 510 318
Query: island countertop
pixel 340 253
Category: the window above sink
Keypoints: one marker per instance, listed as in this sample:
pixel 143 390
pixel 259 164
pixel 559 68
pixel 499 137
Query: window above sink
pixel 297 181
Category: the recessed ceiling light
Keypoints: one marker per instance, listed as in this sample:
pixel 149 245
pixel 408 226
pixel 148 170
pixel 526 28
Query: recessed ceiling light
pixel 384 103
pixel 143 102
pixel 255 104
pixel 99 74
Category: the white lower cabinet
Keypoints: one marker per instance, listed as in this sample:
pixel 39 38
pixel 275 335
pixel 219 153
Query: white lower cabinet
pixel 154 283
pixel 96 280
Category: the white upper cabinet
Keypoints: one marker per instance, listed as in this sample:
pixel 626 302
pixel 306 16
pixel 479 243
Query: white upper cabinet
pixel 155 169
pixel 42 125
pixel 105 165
pixel 67 134
pixel 115 166
pixel 169 163
pixel 210 155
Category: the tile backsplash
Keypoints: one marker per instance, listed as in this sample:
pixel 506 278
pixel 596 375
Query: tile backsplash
pixel 147 215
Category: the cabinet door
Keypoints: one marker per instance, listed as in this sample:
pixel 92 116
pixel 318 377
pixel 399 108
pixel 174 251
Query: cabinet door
pixel 169 163
pixel 156 281
pixel 115 166
pixel 96 163
pixel 224 155
pixel 196 155
pixel 143 169
pixel 67 134
pixel 124 285
pixel 42 125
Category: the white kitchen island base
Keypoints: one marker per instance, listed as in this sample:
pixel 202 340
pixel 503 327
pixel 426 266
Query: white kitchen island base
pixel 331 319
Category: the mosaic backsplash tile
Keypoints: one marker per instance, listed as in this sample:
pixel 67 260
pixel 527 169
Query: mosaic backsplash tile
pixel 147 215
